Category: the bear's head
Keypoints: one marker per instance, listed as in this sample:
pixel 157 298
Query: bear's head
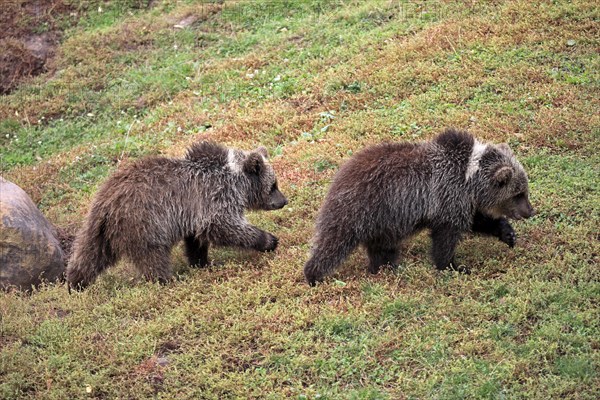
pixel 264 192
pixel 503 186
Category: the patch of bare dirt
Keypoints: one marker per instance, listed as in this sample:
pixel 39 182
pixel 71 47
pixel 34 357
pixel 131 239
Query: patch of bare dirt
pixel 66 237
pixel 30 32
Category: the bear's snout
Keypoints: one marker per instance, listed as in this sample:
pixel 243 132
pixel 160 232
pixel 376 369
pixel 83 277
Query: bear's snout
pixel 525 210
pixel 276 205
pixel 277 200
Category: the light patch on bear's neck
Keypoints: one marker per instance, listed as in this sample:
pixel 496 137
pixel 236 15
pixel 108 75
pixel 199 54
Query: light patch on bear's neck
pixel 473 163
pixel 232 162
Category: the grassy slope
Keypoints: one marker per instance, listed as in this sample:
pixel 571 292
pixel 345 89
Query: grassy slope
pixel 315 81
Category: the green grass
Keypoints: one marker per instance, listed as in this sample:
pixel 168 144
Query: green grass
pixel 315 81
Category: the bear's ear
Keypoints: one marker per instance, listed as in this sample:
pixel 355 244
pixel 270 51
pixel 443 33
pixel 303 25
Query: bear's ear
pixel 262 150
pixel 253 164
pixel 503 175
pixel 505 148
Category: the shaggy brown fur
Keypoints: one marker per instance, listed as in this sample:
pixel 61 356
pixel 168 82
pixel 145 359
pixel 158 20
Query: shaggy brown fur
pixel 143 210
pixel 387 192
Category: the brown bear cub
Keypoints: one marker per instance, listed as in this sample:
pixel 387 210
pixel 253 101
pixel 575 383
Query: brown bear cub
pixel 450 185
pixel 143 210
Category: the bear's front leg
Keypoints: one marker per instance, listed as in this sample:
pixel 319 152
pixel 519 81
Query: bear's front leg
pixel 444 240
pixel 196 251
pixel 241 234
pixel 497 227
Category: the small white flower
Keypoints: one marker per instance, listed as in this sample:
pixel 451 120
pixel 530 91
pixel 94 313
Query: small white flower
pixel 277 78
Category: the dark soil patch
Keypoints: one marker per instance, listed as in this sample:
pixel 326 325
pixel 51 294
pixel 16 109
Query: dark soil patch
pixel 66 237
pixel 31 29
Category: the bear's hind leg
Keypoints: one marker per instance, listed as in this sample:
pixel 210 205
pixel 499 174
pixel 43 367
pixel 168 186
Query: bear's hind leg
pixel 381 253
pixel 196 251
pixel 154 264
pixel 91 256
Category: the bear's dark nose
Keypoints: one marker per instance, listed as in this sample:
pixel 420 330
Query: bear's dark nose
pixel 530 211
pixel 276 205
pixel 281 204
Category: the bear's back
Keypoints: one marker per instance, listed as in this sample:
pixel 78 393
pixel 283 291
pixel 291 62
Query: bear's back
pixel 383 164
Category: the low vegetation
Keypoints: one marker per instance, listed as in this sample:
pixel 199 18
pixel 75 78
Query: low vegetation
pixel 314 81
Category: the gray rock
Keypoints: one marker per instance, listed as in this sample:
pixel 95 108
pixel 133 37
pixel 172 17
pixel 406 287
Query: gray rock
pixel 29 249
pixel 162 361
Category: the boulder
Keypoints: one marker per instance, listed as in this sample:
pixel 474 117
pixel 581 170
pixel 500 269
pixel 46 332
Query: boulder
pixel 29 249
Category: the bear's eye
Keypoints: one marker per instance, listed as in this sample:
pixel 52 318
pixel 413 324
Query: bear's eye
pixel 520 196
pixel 274 187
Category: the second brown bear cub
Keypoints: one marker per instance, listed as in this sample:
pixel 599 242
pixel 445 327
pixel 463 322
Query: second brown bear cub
pixel 451 185
pixel 144 209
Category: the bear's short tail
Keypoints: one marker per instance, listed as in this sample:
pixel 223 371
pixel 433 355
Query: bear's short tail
pixel 92 254
pixel 327 254
pixel 312 271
